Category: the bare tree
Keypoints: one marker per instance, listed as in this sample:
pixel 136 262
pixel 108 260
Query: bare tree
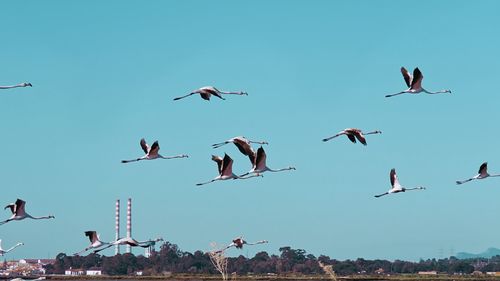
pixel 218 259
pixel 328 269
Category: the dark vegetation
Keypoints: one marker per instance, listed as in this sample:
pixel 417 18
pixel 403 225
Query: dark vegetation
pixel 170 259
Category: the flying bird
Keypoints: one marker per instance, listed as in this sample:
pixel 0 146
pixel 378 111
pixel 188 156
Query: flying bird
pixel 208 91
pixel 17 86
pixel 239 242
pixel 18 212
pixel 415 83
pixel 396 187
pixel 130 242
pixel 95 241
pixel 481 174
pixel 259 164
pixel 353 134
pixel 152 153
pixel 242 143
pixel 225 167
pixel 3 252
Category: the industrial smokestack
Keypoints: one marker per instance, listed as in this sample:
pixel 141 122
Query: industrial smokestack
pixel 129 221
pixel 117 225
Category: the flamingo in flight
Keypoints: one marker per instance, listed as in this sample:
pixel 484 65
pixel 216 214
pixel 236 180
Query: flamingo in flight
pixel 209 91
pixel 130 242
pixel 481 174
pixel 414 83
pixel 242 143
pixel 95 241
pixel 396 187
pixel 3 252
pixel 18 212
pixel 16 86
pixel 225 166
pixel 239 242
pixel 353 134
pixel 259 166
pixel 152 153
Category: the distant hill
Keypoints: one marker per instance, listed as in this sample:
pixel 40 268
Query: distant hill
pixel 491 252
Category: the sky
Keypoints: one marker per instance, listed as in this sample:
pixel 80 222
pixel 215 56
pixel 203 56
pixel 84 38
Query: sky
pixel 104 75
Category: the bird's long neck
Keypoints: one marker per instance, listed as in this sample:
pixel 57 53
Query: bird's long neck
pixel 172 157
pixel 230 93
pixel 207 182
pixel 217 145
pixel 12 86
pixel 258 242
pixel 438 92
pixel 373 132
pixel 414 188
pixel 497 175
pixel 280 170
pixel 13 247
pixel 39 218
pixel 259 142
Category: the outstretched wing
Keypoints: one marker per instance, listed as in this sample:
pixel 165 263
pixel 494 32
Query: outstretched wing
pixel 20 204
pixel 92 235
pixel 483 170
pixel 12 207
pixel 218 160
pixel 144 145
pixel 406 76
pixel 417 79
pixel 260 161
pixel 243 146
pixel 394 179
pixel 227 165
pixel 154 148
pixel 360 137
pixel 351 137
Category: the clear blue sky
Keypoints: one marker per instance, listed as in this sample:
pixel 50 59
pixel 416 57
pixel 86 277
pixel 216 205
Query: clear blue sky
pixel 104 75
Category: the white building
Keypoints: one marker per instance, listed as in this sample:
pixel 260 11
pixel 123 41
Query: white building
pixel 73 272
pixel 94 271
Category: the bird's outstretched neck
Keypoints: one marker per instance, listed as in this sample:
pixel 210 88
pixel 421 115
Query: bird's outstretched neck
pixel 234 93
pixel 281 170
pixel 400 93
pixel 16 86
pixel 178 98
pixel 438 92
pixel 13 247
pixel 217 145
pixel 373 132
pixel 259 142
pixel 133 160
pixel 380 195
pixel 464 181
pixel 415 188
pixel 176 156
pixel 332 137
pixel 42 218
pixel 203 183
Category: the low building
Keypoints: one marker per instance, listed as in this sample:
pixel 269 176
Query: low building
pixel 94 271
pixel 74 272
pixel 428 272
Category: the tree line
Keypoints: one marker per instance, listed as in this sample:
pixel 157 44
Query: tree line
pixel 170 259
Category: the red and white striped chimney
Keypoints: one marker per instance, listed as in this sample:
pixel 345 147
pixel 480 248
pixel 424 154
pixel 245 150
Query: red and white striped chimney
pixel 129 221
pixel 117 225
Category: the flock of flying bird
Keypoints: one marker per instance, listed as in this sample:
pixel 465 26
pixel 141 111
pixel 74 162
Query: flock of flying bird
pixel 225 165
